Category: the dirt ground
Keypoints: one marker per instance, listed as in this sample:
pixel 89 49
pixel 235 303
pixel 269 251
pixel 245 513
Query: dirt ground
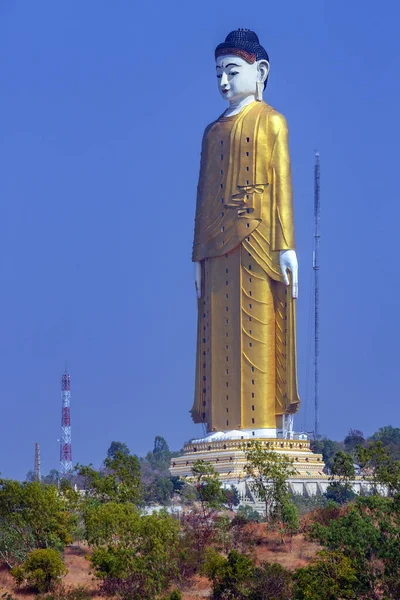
pixel 268 548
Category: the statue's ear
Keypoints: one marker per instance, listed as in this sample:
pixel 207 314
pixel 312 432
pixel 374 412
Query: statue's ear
pixel 263 69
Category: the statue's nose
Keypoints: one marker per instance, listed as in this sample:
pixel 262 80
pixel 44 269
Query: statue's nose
pixel 224 80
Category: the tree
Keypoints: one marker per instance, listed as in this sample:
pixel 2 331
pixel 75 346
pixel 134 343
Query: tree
pixel 117 447
pixel 269 472
pixel 41 569
pixel 32 517
pixel 379 467
pixel 390 438
pixel 231 577
pixel 367 533
pixel 51 478
pixel 289 516
pixel 354 438
pixel 119 482
pixel 199 524
pixel 330 576
pixel 340 490
pixel 208 486
pixel 135 556
pixel 328 448
pixel 232 497
pixel 271 581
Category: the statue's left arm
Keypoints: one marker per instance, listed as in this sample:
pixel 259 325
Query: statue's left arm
pixel 283 203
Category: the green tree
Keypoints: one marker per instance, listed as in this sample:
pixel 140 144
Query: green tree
pixel 289 516
pixel 232 497
pixel 32 517
pixel 330 576
pixel 117 448
pixel 52 478
pixel 354 438
pixel 328 448
pixel 271 581
pixel 342 475
pixel 118 482
pixel 390 438
pixel 367 532
pixel 379 467
pixel 269 472
pixel 231 577
pixel 208 485
pixel 135 556
pixel 41 569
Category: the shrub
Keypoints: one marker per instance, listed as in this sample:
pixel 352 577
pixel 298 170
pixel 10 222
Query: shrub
pixel 41 569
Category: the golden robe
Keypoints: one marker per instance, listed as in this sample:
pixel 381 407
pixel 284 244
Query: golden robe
pixel 246 343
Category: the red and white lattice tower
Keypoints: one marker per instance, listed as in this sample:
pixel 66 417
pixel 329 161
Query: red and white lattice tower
pixel 65 441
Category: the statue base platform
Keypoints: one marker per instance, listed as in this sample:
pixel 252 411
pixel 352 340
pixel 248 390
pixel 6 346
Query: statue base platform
pixel 228 458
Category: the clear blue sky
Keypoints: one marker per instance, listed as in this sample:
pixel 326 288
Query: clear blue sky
pixel 103 105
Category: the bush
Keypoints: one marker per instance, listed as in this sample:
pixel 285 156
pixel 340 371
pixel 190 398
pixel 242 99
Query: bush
pixel 340 493
pixel 231 577
pixel 247 514
pixel 306 504
pixel 62 593
pixel 272 581
pixel 175 595
pixel 41 569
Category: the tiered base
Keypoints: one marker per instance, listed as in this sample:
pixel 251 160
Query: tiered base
pixel 228 458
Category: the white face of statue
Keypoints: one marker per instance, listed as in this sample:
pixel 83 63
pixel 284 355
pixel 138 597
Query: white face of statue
pixel 237 78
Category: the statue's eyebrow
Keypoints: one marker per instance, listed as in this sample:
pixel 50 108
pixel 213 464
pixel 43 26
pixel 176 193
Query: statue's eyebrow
pixel 228 65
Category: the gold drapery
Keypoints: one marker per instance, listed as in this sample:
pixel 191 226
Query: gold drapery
pixel 246 347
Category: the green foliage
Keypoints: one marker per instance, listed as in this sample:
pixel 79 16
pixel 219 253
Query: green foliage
pixel 328 448
pixel 230 576
pixel 269 472
pixel 175 595
pixel 366 532
pixel 208 486
pixel 354 438
pixel 232 497
pixel 306 504
pixel 390 438
pixel 339 493
pixel 343 467
pixel 158 484
pixel 136 556
pixel 61 592
pixel 41 569
pixel 117 448
pixel 51 478
pixel 331 576
pixel 238 578
pixel 290 518
pixel 32 517
pixel 342 471
pixel 119 482
pixel 271 581
pixel 248 514
pixel 380 467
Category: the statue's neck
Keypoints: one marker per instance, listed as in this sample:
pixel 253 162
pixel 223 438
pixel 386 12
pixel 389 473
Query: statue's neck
pixel 235 106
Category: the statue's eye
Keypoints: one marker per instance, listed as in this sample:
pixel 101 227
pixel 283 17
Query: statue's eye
pixel 219 76
pixel 233 73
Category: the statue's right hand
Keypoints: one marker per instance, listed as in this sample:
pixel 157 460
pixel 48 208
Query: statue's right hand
pixel 197 278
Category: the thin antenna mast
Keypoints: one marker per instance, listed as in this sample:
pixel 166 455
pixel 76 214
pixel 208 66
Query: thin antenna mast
pixel 36 471
pixel 316 289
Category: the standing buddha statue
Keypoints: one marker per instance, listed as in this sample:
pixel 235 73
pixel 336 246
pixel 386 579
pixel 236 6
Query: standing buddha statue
pixel 244 255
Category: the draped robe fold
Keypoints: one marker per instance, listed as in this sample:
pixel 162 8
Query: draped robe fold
pixel 246 341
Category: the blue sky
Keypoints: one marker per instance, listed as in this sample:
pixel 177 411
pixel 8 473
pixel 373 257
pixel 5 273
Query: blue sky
pixel 103 107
